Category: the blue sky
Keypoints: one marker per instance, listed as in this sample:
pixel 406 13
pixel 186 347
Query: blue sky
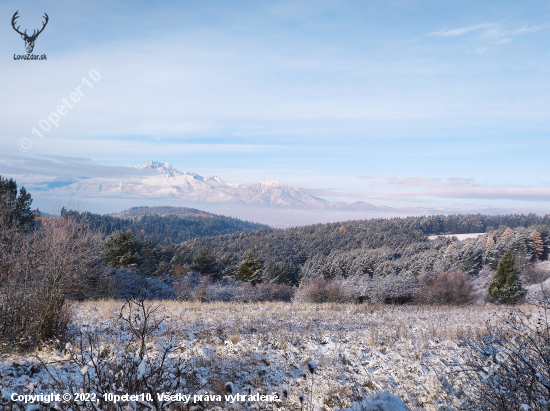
pixel 424 103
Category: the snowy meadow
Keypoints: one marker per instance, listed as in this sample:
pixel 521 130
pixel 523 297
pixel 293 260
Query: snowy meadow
pixel 264 348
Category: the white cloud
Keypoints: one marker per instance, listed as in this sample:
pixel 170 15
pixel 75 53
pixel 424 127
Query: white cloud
pixel 376 181
pixel 461 31
pixel 457 188
pixel 47 167
pixel 531 29
pixel 496 32
pixel 486 193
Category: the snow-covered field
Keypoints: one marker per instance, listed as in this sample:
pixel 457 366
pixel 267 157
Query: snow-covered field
pixel 265 348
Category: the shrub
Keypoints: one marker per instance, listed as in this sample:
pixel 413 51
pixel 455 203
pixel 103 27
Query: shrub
pixel 480 285
pixel 265 292
pixel 323 291
pixel 392 289
pixel 195 287
pixel 191 286
pixel 128 281
pixel 506 286
pixel 453 288
pixel 41 272
pixel 508 366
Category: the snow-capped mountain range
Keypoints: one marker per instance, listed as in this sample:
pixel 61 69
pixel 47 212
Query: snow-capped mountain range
pixel 157 180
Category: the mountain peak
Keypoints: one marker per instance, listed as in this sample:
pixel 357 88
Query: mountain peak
pixel 216 178
pixel 271 183
pixel 166 168
pixel 155 164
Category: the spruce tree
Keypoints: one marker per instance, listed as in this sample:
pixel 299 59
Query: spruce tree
pixel 506 286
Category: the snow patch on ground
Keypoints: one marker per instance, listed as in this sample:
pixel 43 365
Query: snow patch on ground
pixel 379 402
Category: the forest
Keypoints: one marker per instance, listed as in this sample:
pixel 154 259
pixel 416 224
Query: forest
pixel 375 248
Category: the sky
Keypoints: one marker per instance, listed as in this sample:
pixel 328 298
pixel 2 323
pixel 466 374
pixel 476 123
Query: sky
pixel 396 103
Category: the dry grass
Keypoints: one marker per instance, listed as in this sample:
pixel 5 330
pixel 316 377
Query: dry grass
pixel 359 349
pixel 383 324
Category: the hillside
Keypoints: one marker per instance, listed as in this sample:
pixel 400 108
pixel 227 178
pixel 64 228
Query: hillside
pixel 376 248
pixel 379 247
pixel 166 224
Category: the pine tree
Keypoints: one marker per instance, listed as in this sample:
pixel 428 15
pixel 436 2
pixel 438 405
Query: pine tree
pixel 506 286
pixel 538 245
pixel 149 262
pixel 251 268
pixel 206 263
pixel 121 249
pixel 181 260
pixel 471 261
pixel 15 210
pixel 492 257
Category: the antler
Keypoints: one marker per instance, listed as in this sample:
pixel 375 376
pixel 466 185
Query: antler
pixel 43 27
pixel 34 33
pixel 15 16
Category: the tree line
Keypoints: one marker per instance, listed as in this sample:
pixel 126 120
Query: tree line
pixel 375 248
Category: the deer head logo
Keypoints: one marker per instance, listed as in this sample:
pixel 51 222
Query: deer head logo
pixel 29 40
